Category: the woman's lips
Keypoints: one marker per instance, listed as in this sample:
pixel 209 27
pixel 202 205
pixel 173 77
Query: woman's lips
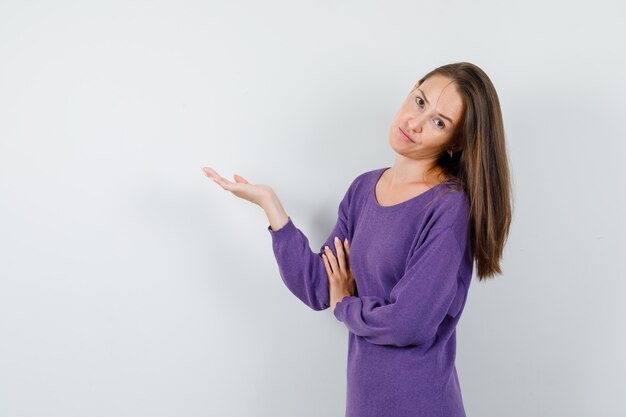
pixel 406 136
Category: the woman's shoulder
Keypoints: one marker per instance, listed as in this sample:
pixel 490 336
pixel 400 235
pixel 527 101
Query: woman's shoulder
pixel 370 175
pixel 449 205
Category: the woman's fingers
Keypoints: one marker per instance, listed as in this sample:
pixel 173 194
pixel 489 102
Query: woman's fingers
pixel 224 183
pixel 329 271
pixel 331 259
pixel 255 193
pixel 212 174
pixel 227 185
pixel 340 276
pixel 341 262
pixel 209 172
pixel 241 179
pixel 340 254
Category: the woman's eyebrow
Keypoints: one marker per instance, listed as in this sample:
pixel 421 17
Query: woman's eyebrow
pixel 428 102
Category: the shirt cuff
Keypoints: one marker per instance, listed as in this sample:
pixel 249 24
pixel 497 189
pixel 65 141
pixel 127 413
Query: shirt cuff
pixel 340 307
pixel 286 228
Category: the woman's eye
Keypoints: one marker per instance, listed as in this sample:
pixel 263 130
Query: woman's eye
pixel 420 101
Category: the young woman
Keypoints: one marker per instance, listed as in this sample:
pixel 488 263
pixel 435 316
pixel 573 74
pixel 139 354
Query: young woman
pixel 397 266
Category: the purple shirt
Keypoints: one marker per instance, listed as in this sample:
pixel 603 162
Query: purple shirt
pixel 413 264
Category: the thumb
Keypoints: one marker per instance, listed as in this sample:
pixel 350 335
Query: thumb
pixel 239 178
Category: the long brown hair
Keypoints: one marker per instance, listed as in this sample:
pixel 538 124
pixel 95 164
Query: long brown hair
pixel 481 167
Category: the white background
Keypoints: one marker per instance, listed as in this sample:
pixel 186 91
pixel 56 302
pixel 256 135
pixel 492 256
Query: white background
pixel 132 285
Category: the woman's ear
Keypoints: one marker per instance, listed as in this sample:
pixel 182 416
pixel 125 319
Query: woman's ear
pixel 454 147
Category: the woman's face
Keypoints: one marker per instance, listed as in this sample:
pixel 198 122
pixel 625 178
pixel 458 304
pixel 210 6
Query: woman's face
pixel 429 116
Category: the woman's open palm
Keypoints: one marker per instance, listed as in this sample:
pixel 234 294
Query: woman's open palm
pixel 254 193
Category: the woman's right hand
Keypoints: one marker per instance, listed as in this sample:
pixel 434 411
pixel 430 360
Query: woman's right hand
pixel 254 193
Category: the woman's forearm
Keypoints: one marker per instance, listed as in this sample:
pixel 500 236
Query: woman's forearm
pixel 274 211
pixel 301 269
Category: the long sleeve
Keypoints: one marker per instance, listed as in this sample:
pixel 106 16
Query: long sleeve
pixel 301 269
pixel 418 302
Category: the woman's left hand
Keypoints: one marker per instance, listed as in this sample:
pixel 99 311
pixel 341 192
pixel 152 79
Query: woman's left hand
pixel 341 281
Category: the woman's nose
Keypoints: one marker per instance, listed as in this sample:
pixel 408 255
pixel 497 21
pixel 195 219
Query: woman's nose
pixel 415 125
